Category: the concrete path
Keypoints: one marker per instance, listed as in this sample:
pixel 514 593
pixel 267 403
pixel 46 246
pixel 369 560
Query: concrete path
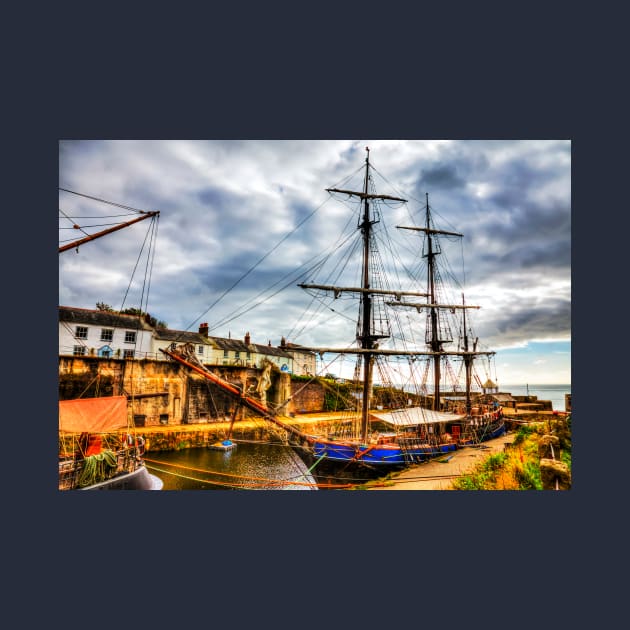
pixel 434 475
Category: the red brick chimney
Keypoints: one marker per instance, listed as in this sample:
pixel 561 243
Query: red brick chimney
pixel 247 339
pixel 203 329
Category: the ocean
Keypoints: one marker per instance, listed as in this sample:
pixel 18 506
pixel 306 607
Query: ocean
pixel 555 393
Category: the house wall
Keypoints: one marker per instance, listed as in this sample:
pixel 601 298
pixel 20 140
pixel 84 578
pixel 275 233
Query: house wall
pixel 93 344
pixel 303 363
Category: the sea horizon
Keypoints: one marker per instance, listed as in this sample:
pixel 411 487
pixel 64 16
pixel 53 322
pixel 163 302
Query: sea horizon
pixel 543 391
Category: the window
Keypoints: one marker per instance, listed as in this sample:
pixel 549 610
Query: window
pixel 163 418
pixel 107 334
pixel 81 332
pixel 139 420
pixel 79 351
pixel 249 355
pixel 128 354
pixel 237 354
pixel 130 336
pixel 199 349
pixel 226 354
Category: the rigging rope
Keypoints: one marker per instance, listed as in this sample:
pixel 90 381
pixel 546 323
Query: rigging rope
pixel 111 203
pixel 237 282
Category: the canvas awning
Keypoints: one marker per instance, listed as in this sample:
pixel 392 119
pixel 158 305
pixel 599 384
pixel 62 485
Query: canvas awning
pixel 93 415
pixel 414 416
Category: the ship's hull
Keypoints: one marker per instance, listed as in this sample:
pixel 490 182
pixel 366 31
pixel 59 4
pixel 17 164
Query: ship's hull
pixel 340 463
pixel 382 456
pixel 139 479
pixel 344 462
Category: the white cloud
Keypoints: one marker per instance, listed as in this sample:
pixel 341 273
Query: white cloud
pixel 226 204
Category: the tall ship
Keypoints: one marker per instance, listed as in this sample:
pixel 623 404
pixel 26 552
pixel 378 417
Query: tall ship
pixel 412 390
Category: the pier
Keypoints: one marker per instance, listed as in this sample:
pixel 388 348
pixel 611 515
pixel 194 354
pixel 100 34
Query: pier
pixel 175 437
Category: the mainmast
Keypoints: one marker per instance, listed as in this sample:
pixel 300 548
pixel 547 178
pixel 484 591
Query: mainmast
pixel 366 336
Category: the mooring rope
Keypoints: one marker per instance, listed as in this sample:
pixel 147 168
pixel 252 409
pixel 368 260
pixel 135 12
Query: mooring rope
pixel 253 480
pixel 97 468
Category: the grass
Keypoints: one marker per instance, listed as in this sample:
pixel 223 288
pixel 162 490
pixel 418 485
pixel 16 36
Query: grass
pixel 518 468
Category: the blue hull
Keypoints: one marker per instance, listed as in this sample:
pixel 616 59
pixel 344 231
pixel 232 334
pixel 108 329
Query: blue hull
pixel 381 456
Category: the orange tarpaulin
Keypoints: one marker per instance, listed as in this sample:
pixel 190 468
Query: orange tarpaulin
pixel 93 415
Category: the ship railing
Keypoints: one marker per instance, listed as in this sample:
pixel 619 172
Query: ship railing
pixel 70 468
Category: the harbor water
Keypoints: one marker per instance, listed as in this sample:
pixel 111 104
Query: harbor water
pixel 249 466
pixel 273 466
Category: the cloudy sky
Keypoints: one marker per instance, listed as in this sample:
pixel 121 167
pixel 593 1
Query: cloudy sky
pixel 242 221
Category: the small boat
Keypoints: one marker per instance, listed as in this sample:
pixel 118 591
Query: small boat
pixel 99 446
pixel 98 450
pixel 224 445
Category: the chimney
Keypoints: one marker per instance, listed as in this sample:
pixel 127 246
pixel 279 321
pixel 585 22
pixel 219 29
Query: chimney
pixel 283 342
pixel 247 339
pixel 203 329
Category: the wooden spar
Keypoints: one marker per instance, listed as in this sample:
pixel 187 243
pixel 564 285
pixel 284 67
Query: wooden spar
pixel 91 237
pixel 427 230
pixel 235 392
pixel 394 353
pixel 336 290
pixel 421 305
pixel 364 194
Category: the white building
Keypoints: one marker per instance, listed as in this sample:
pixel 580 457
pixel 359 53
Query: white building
pixel 85 332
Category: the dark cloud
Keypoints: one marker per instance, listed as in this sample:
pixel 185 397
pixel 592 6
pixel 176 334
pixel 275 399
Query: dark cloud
pixel 439 177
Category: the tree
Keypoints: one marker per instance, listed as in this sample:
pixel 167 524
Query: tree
pixel 148 318
pixel 101 306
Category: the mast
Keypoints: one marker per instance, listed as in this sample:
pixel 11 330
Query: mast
pixel 434 340
pixel 468 360
pixel 365 306
pixel 366 337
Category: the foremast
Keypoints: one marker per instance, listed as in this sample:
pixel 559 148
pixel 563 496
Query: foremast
pixel 435 340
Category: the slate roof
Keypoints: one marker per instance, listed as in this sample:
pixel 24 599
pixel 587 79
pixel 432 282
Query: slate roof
pixel 237 345
pixel 180 336
pixel 272 350
pixel 101 318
